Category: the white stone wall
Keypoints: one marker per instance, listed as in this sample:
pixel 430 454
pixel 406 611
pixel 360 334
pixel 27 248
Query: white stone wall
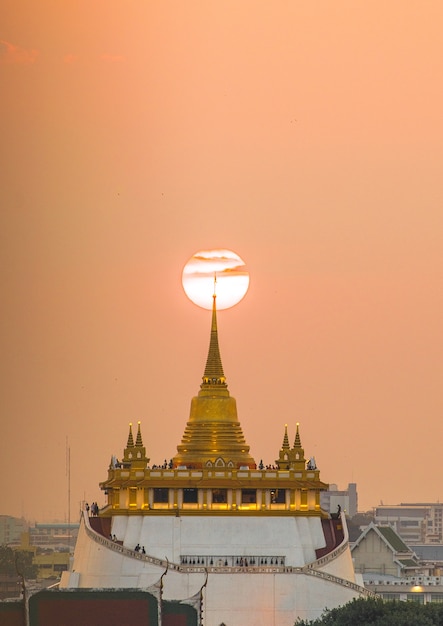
pixel 170 537
pixel 269 599
pixel 238 599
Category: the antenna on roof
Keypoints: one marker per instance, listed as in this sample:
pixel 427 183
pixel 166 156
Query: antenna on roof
pixel 68 474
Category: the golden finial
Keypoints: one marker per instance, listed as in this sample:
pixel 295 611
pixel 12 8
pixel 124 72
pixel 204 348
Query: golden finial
pixel 213 374
pixel 139 441
pixel 297 442
pixel 285 445
pixel 130 443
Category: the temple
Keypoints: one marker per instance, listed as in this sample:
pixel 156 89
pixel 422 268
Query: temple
pixel 244 544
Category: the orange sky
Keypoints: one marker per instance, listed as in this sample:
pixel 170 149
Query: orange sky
pixel 305 136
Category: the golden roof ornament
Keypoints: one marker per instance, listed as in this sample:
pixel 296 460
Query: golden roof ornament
pixel 297 441
pixel 130 443
pixel 286 445
pixel 139 441
pixel 213 435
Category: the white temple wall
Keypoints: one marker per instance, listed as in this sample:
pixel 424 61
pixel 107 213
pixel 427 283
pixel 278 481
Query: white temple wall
pixel 269 599
pixel 342 566
pixel 170 537
pixel 133 531
pixel 119 525
pixel 238 599
pixel 94 565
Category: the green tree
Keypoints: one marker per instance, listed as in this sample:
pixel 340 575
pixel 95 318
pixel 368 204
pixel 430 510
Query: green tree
pixel 16 562
pixel 363 519
pixel 354 524
pixel 377 612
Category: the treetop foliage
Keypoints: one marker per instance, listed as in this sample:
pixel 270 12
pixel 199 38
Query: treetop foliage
pixel 378 612
pixel 14 563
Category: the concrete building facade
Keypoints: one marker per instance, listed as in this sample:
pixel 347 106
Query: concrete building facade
pixel 346 499
pixel 416 523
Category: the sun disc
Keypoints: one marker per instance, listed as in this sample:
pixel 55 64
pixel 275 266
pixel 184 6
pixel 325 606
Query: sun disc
pixel 229 271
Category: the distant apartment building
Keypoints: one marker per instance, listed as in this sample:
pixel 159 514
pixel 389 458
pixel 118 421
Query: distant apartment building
pixel 419 523
pixel 422 589
pixel 347 499
pixel 11 530
pixel 50 563
pixel 431 557
pixel 57 536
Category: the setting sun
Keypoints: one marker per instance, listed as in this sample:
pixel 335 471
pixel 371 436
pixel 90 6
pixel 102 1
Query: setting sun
pixel 215 271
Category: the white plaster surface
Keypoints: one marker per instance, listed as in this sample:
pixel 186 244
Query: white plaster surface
pixel 296 538
pixel 238 599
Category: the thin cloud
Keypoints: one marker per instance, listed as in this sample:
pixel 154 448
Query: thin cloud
pixel 12 54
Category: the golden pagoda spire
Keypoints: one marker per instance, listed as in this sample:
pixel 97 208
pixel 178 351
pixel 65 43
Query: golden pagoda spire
pixel 134 456
pixel 286 445
pixel 138 441
pixel 283 461
pixel 297 441
pixel 213 435
pixel 130 443
pixel 214 369
pixel 297 452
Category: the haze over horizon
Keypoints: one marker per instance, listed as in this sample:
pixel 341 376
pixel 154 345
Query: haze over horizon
pixel 307 138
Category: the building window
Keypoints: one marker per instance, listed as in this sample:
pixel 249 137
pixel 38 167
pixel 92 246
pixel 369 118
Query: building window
pixel 220 496
pixel 390 596
pixel 278 496
pixel 248 496
pixel 190 496
pixel 161 495
pixel 116 498
pixel 416 597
